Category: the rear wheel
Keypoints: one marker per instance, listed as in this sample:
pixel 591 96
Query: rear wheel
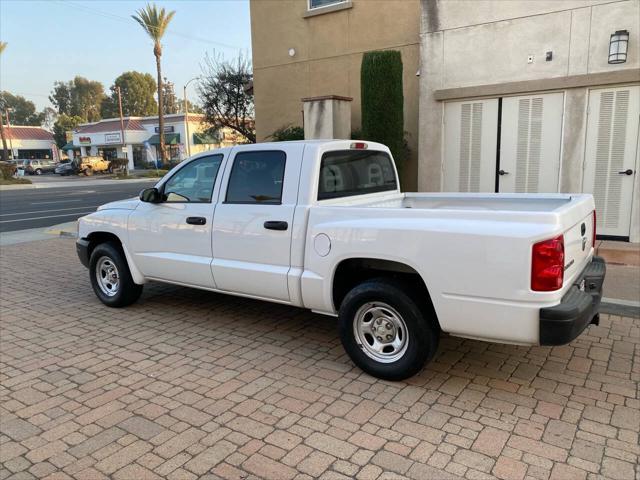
pixel 111 278
pixel 38 171
pixel 88 172
pixel 385 331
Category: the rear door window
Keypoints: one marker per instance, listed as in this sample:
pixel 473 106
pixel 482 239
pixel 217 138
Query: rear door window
pixel 345 173
pixel 257 177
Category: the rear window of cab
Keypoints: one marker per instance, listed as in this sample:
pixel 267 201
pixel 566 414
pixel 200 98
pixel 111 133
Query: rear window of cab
pixel 345 173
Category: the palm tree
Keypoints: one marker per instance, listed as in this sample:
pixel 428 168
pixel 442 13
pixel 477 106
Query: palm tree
pixel 155 21
pixel 5 150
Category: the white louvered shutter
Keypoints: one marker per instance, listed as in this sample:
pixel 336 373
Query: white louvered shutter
pixel 470 146
pixel 612 132
pixel 530 143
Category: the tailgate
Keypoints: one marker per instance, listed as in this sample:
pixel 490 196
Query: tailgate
pixel 578 246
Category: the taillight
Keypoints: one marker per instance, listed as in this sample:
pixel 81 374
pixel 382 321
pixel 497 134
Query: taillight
pixel 593 238
pixel 547 265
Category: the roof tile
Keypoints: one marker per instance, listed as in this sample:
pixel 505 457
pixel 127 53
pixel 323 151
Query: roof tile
pixel 27 133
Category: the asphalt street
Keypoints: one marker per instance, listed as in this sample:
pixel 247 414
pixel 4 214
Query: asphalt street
pixel 24 209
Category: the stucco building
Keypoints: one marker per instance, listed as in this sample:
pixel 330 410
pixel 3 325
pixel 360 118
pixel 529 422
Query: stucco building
pixel 183 136
pixel 29 142
pixel 523 96
pixel 313 48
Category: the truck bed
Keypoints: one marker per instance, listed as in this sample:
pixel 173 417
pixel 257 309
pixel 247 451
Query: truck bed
pixel 491 202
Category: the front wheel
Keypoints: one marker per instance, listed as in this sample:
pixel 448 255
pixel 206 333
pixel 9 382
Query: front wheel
pixel 111 278
pixel 38 172
pixel 385 331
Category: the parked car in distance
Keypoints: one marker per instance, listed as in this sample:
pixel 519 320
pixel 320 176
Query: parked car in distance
pixel 323 225
pixel 38 166
pixel 66 167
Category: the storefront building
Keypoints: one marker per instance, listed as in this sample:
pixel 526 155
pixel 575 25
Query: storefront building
pixel 138 139
pixel 30 142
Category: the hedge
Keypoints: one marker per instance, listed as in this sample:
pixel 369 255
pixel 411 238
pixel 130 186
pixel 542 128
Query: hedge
pixel 382 100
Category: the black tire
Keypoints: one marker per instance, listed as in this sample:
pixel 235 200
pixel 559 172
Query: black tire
pixel 38 171
pixel 87 172
pixel 422 331
pixel 126 292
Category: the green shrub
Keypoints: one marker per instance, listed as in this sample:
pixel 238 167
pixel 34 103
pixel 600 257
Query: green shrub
pixel 118 164
pixel 287 133
pixel 382 101
pixel 14 181
pixel 7 170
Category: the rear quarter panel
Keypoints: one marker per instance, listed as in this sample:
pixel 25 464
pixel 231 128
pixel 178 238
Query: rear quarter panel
pixel 476 265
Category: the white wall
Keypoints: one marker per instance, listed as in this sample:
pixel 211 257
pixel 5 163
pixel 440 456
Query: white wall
pixel 471 43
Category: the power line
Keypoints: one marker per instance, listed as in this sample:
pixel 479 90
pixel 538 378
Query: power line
pixel 113 16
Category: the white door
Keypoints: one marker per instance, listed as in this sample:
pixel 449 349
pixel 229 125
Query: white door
pixel 471 129
pixel 530 140
pixel 171 240
pixel 610 156
pixel 254 219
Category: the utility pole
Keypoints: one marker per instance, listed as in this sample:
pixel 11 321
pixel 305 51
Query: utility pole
pixel 5 150
pixel 186 114
pixel 6 112
pixel 122 128
pixel 186 121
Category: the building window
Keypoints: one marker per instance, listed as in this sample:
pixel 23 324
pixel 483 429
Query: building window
pixel 318 7
pixel 324 3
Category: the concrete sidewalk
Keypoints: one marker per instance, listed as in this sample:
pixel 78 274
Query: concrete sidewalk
pixel 76 183
pixel 67 229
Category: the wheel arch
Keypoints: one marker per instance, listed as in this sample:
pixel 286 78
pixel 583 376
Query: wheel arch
pixel 96 238
pixel 351 272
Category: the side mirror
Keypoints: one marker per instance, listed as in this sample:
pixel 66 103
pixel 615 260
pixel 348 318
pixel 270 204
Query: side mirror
pixel 150 195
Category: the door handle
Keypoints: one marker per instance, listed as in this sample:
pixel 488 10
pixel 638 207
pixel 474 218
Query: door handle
pixel 502 172
pixel 628 171
pixel 276 225
pixel 196 220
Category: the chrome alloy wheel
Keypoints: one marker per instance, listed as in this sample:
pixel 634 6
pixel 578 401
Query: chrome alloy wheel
pixel 380 332
pixel 107 276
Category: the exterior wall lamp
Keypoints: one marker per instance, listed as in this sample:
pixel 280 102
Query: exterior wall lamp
pixel 618 45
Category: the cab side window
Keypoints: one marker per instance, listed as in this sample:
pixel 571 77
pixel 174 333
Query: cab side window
pixel 257 177
pixel 194 182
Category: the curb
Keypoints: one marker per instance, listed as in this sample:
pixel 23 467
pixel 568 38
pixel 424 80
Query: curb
pixel 24 186
pixel 621 308
pixel 81 183
pixel 67 229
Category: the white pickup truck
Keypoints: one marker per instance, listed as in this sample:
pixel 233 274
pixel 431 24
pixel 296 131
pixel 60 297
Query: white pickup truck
pixel 323 225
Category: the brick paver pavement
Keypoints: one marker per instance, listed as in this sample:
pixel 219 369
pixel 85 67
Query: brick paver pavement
pixel 187 385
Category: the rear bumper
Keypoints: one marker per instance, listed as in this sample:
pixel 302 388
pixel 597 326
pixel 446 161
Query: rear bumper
pixel 82 249
pixel 579 307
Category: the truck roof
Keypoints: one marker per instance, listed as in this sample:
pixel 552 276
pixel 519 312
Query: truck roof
pixel 316 143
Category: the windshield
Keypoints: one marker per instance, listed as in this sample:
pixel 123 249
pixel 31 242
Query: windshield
pixel 344 173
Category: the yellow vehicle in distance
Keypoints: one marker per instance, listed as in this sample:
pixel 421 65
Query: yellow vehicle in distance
pixel 90 165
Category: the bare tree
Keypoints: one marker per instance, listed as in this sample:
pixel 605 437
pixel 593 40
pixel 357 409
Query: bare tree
pixel 227 100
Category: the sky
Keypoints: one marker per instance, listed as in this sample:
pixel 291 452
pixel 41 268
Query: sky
pixel 55 40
